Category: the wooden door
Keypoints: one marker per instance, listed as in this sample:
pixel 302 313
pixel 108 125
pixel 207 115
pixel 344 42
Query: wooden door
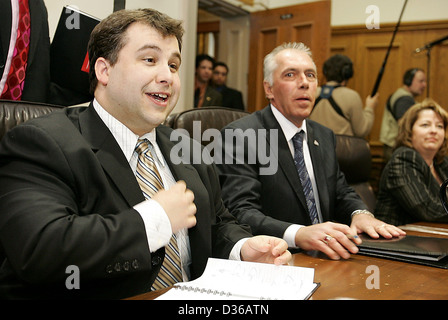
pixel 308 23
pixel 368 48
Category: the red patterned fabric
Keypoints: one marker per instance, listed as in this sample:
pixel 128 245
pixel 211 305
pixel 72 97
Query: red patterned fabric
pixel 16 76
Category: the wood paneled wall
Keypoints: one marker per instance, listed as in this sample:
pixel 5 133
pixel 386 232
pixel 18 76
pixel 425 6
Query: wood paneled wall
pixel 308 23
pixel 367 48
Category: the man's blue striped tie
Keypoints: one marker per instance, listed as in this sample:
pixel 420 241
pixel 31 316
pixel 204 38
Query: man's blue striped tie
pixel 150 182
pixel 299 161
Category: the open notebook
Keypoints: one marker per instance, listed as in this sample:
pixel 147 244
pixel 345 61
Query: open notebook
pixel 239 280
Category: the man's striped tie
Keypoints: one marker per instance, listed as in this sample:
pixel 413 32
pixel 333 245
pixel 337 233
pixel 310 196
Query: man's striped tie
pixel 150 182
pixel 299 161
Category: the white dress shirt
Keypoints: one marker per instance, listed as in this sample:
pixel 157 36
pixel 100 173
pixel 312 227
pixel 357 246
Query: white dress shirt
pixel 156 221
pixel 289 130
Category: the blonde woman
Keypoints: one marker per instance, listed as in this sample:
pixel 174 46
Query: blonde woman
pixel 410 182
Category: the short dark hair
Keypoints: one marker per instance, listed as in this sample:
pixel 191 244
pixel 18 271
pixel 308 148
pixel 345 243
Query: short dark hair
pixel 338 68
pixel 108 37
pixel 202 57
pixel 409 75
pixel 221 64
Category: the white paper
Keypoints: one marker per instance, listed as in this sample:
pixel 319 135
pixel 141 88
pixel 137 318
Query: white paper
pixel 229 279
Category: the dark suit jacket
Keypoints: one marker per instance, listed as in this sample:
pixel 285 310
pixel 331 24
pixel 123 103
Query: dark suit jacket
pixel 37 80
pixel 66 198
pixel 271 203
pixel 408 192
pixel 212 98
pixel 231 98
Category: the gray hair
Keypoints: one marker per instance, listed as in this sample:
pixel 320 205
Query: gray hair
pixel 269 61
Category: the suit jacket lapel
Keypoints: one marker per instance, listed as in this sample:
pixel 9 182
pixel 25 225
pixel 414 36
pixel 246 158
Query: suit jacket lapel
pixel 285 160
pixel 109 154
pixel 319 175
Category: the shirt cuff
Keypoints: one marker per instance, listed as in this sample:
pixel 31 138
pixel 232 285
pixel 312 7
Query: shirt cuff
pixel 157 224
pixel 235 254
pixel 290 235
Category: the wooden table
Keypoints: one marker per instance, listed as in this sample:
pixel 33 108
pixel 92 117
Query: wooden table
pixel 346 279
pixel 397 280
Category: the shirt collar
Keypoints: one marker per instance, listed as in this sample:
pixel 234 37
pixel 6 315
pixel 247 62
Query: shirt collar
pixel 151 136
pixel 289 129
pixel 125 138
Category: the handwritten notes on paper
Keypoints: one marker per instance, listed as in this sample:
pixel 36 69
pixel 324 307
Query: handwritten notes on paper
pixel 228 279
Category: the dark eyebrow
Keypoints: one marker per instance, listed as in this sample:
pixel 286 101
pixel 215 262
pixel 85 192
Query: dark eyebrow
pixel 157 48
pixel 149 46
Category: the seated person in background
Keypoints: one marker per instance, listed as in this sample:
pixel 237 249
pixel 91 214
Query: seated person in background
pixel 74 183
pixel 414 84
pixel 279 202
pixel 204 94
pixel 410 182
pixel 340 108
pixel 231 98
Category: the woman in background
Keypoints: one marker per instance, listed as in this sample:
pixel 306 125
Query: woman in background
pixel 410 182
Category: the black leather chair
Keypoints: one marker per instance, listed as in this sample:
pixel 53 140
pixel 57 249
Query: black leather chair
pixel 13 113
pixel 355 161
pixel 209 117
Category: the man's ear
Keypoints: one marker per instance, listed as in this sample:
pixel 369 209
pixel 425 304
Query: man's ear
pixel 267 90
pixel 102 67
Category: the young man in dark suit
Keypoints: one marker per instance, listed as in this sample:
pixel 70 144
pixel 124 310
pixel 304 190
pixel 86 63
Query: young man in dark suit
pixel 204 94
pixel 69 197
pixel 231 98
pixel 276 202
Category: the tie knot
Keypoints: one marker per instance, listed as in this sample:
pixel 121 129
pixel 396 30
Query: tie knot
pixel 297 140
pixel 142 146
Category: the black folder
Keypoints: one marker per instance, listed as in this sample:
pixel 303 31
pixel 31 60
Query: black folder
pixel 427 251
pixel 68 50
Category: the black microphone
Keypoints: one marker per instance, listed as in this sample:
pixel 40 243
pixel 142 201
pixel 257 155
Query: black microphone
pixel 431 44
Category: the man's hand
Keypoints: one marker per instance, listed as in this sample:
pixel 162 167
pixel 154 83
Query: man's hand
pixel 266 249
pixel 334 239
pixel 372 102
pixel 178 205
pixel 374 227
